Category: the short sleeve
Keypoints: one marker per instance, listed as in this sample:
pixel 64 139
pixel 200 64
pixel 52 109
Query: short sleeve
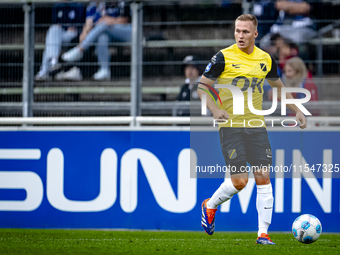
pixel 215 67
pixel 91 10
pixel 272 74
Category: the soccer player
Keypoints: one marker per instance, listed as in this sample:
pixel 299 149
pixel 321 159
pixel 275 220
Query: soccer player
pixel 243 65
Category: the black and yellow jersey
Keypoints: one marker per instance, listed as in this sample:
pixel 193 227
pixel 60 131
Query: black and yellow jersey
pixel 232 66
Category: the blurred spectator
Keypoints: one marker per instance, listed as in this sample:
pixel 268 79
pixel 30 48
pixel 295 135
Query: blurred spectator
pixel 103 23
pixel 292 20
pixel 296 75
pixel 287 50
pixel 266 14
pixel 65 16
pixel 277 45
pixel 192 72
pixel 276 42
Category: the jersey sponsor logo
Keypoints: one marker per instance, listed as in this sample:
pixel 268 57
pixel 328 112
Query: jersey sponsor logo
pixel 207 69
pixel 236 65
pixel 269 153
pixel 259 68
pixel 255 82
pixel 268 207
pixel 232 154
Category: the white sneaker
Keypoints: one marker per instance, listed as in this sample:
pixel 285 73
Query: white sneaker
pixel 102 75
pixel 74 74
pixel 54 68
pixel 59 76
pixel 54 65
pixel 74 54
pixel 42 76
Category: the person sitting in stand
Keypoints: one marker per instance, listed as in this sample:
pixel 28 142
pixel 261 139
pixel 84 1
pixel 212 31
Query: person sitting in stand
pixel 65 16
pixel 103 23
pixel 192 72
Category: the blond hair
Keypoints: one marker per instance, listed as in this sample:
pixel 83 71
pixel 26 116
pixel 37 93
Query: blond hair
pixel 247 17
pixel 300 71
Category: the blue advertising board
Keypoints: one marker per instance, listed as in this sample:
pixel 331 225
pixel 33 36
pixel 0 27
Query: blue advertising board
pixel 141 180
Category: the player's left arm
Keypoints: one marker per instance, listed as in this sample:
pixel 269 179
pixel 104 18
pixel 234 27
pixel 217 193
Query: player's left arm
pixel 275 82
pixel 300 117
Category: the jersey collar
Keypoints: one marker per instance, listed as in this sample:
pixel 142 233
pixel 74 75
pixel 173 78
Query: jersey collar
pixel 243 53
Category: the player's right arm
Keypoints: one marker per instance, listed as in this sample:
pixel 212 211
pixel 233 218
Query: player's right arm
pixel 213 70
pixel 217 112
pixel 90 13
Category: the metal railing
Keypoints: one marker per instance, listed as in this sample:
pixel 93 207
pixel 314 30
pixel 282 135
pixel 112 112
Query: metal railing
pixel 312 122
pixel 174 46
pixel 151 108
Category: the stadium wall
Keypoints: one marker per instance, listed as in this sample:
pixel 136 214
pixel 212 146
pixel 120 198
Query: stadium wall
pixel 140 179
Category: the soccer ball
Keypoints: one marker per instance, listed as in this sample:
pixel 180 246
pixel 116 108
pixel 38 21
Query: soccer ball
pixel 306 228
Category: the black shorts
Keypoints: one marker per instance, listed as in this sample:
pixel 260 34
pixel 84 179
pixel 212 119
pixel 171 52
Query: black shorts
pixel 241 145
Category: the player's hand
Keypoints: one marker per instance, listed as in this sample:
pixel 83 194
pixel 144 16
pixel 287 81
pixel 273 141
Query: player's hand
pixel 302 119
pixel 220 114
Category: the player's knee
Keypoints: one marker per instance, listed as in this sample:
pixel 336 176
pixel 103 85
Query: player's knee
pixel 103 39
pixel 262 181
pixel 102 24
pixel 239 183
pixel 262 173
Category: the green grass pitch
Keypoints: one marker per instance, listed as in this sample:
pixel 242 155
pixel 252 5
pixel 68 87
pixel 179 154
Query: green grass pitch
pixel 37 241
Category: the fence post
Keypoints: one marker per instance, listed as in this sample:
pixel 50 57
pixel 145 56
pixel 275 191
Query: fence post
pixel 319 54
pixel 136 59
pixel 28 69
